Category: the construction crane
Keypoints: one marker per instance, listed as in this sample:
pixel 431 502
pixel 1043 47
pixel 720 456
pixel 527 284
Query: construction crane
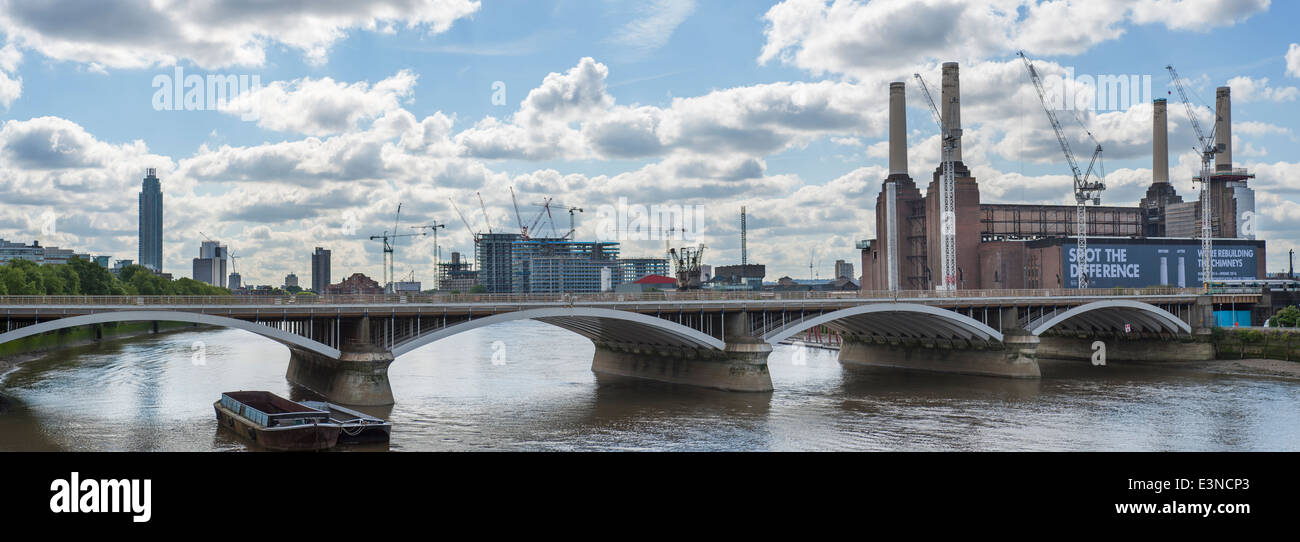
pixel 389 237
pixel 572 224
pixel 1085 187
pixel 546 207
pixel 667 234
pixel 233 257
pixel 486 220
pixel 947 188
pixel 687 262
pixel 473 234
pixel 1207 149
pixel 523 230
pixel 546 211
pixel 436 253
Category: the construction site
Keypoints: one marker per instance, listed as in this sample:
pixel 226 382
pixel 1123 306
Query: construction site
pixel 521 262
pixel 947 239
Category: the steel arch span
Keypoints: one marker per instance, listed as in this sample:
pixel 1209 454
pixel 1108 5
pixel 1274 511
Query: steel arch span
pixel 593 323
pixel 1111 315
pixel 904 320
pixel 283 337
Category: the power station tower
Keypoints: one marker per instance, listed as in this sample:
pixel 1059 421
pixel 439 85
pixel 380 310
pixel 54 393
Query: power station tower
pixel 948 188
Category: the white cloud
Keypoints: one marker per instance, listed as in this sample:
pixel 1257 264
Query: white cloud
pixel 11 85
pixel 1199 15
pixel 1254 127
pixel 654 26
pixel 1246 89
pixel 50 163
pixel 571 115
pixel 886 39
pixel 541 128
pixel 1293 60
pixel 140 34
pixel 321 106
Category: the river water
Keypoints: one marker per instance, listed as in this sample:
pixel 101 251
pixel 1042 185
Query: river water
pixel 529 386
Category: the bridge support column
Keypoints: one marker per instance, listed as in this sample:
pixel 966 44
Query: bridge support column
pixel 358 377
pixel 1015 357
pixel 1203 315
pixel 741 366
pixel 1129 347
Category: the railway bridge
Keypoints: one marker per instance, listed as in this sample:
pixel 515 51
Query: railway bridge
pixel 342 346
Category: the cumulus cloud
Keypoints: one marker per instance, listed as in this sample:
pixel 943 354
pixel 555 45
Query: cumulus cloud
pixel 542 126
pixel 140 33
pixel 571 115
pixel 53 164
pixel 11 85
pixel 1293 60
pixel 1247 89
pixel 883 39
pixel 321 106
pixel 1196 14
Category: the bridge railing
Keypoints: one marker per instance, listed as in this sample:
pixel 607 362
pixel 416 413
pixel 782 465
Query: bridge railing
pixel 689 295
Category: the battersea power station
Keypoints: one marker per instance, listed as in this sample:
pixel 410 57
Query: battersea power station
pixel 1013 246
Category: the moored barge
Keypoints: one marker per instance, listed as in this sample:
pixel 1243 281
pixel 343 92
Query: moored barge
pixel 276 423
pixel 357 427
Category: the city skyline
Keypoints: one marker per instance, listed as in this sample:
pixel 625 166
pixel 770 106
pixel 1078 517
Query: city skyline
pixel 782 112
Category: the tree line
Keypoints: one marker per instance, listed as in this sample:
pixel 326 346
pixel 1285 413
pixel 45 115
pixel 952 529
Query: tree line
pixel 83 277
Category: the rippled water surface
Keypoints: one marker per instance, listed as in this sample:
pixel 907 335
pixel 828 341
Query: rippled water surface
pixel 149 394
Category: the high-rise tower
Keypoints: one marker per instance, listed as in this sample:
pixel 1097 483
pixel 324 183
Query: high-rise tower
pixel 151 220
pixel 320 270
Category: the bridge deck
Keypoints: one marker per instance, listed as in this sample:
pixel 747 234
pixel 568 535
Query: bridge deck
pixel 299 307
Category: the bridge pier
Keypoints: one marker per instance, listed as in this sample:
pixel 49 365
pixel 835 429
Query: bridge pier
pixel 741 366
pixel 1006 360
pixel 1015 357
pixel 1129 347
pixel 358 377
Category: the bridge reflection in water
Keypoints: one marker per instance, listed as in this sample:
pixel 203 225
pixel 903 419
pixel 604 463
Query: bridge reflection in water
pixel 341 347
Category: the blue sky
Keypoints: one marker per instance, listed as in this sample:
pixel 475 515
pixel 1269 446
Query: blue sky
pixel 779 106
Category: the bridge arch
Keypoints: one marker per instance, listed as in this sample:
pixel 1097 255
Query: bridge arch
pixel 1111 315
pixel 594 323
pixel 283 337
pixel 894 320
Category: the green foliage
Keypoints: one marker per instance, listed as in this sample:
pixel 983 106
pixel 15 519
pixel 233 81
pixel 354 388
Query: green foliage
pixel 1287 317
pixel 478 289
pixel 95 280
pixel 1250 336
pixel 81 277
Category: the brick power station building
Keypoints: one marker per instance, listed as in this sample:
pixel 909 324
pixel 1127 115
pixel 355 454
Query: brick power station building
pixel 1009 246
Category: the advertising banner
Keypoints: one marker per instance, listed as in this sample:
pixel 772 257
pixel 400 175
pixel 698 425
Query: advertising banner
pixel 1141 265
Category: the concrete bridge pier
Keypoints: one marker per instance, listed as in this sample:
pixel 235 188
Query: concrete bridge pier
pixel 740 366
pixel 1120 347
pixel 359 376
pixel 1015 357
